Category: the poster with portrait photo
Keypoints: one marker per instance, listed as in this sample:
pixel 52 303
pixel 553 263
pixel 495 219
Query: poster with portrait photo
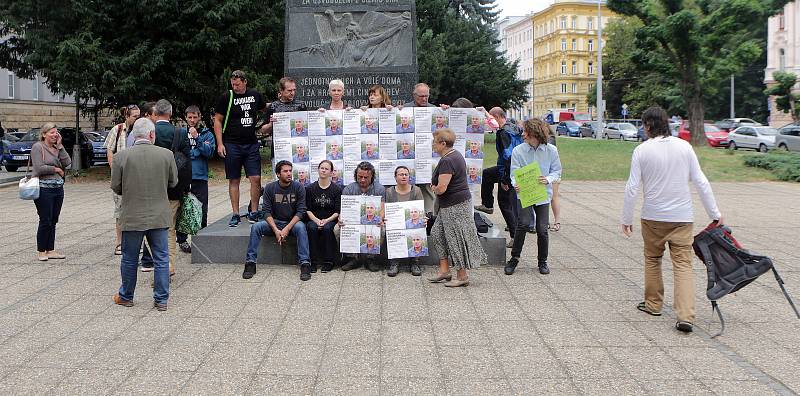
pixel 474 173
pixel 406 243
pixel 404 146
pixel 371 210
pixel 301 173
pixel 423 171
pixel 348 170
pixel 474 145
pixel 423 145
pixel 350 238
pixel 387 168
pixel 461 143
pixel 371 117
pixel 457 119
pixel 370 149
pixel 333 122
pixel 417 242
pixel 476 122
pixel 370 240
pixel 316 123
pixel 422 119
pixel 387 120
pixel 300 150
pixel 281 126
pixel 350 212
pixel 333 148
pixel 402 215
pixel 337 174
pixel 353 120
pixel 439 119
pixel 298 122
pixel 316 147
pixel 405 120
pixel 387 143
pixel 351 147
pixel 283 149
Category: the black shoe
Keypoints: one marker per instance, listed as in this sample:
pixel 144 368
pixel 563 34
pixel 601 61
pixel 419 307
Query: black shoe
pixel 416 270
pixel 351 265
pixel 185 247
pixel 305 271
pixel 511 266
pixel 235 220
pixel 249 270
pixel 326 267
pixel 313 268
pixel 532 230
pixel 394 268
pixel 373 266
pixel 543 269
pixel 160 306
pixel 252 217
pixel 683 326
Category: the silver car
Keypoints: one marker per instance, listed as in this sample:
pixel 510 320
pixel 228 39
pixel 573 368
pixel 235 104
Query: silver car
pixel 788 138
pixel 621 131
pixel 761 138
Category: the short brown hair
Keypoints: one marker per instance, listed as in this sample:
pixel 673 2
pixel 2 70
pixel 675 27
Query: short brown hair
pixel 446 136
pixel 537 128
pixel 655 122
pixel 283 81
pixel 385 100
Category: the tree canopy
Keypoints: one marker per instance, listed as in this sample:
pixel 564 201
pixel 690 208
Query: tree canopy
pixel 785 100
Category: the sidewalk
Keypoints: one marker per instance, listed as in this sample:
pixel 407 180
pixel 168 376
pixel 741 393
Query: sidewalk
pixel 575 331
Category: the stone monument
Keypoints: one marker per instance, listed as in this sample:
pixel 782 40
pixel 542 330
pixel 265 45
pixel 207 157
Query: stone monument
pixel 361 42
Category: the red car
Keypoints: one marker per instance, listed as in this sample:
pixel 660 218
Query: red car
pixel 715 136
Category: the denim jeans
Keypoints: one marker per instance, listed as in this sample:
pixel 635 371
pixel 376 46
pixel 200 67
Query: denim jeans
pixel 131 242
pixel 321 241
pixel 48 206
pixel 542 222
pixel 261 228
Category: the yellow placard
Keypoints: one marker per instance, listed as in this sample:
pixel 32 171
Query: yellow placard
pixel 530 190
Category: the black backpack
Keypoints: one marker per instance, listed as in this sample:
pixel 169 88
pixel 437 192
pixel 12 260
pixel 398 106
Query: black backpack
pixel 730 267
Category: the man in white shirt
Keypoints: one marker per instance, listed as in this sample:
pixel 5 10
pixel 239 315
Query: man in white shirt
pixel 663 166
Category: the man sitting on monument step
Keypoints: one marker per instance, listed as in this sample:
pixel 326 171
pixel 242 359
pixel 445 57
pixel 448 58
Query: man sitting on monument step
pixel 284 205
pixel 365 184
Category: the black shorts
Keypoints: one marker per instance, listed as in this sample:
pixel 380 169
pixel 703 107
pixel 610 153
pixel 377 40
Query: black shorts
pixel 239 155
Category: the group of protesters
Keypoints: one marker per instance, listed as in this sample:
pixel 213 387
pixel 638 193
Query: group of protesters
pixel 154 164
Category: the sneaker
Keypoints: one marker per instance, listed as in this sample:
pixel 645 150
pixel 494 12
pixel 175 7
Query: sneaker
pixel 683 326
pixel 511 266
pixel 416 270
pixel 235 220
pixel 544 269
pixel 326 267
pixel 351 265
pixel 160 306
pixel 643 307
pixel 119 301
pixel 252 217
pixel 481 208
pixel 394 268
pixel 185 247
pixel 249 270
pixel 313 268
pixel 305 271
pixel 373 266
pixel 147 267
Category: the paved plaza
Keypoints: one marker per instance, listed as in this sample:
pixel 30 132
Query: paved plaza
pixel 571 332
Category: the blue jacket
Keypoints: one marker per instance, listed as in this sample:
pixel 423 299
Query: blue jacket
pixel 204 148
pixel 503 145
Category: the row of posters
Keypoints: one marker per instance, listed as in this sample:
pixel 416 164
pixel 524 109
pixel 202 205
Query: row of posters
pixel 361 229
pixel 374 121
pixel 405 229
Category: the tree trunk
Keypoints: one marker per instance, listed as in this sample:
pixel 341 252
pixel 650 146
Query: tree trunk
pixel 696 118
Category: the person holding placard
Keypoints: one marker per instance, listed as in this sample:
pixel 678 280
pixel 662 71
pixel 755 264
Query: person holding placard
pixel 378 98
pixel 336 91
pixel 453 234
pixel 403 192
pixel 366 184
pixel 535 152
pixel 323 199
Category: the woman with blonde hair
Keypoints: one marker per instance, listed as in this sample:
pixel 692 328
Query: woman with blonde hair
pixel 336 91
pixel 49 159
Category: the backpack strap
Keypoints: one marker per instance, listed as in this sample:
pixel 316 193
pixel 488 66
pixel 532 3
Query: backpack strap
pixel 116 141
pixel 715 307
pixel 228 112
pixel 785 293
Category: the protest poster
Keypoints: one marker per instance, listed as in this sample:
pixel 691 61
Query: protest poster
pixel 351 147
pixel 461 143
pixel 405 120
pixel 348 170
pixel 531 191
pixel 439 119
pixel 404 147
pixel 423 171
pixel 476 122
pixel 406 243
pixel 353 120
pixel 350 238
pixel 370 210
pixel 387 168
pixel 300 150
pixel 387 120
pixel 281 127
pixel 316 148
pixel 337 173
pixel 301 173
pixel 370 240
pixel 333 122
pixel 387 143
pixel 402 215
pixel 457 119
pixel 316 123
pixel 423 145
pixel 350 210
pixel 371 117
pixel 298 122
pixel 333 148
pixel 474 173
pixel 283 149
pixel 370 150
pixel 422 119
pixel 474 145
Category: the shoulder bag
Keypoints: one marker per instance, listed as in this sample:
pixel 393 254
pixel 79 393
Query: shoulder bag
pixel 29 185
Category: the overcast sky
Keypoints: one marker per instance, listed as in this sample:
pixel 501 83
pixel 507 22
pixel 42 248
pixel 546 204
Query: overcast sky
pixel 520 7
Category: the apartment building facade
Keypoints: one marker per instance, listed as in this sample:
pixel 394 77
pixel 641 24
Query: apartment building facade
pixel 783 54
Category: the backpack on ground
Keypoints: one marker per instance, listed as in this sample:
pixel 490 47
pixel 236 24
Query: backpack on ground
pixel 730 267
pixel 482 224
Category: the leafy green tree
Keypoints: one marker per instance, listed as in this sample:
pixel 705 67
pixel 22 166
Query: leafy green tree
pixel 785 100
pixel 697 44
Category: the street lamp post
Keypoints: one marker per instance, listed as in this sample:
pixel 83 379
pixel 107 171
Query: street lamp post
pixel 600 103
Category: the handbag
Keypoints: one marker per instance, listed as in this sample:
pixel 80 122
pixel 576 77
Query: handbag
pixel 191 215
pixel 29 185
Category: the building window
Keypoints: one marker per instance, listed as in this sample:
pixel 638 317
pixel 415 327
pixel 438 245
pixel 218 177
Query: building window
pixel 563 44
pixel 563 88
pixel 781 21
pixel 591 68
pixel 590 46
pixel 563 22
pixel 10 85
pixel 551 27
pixel 35 88
pixel 574 44
pixel 563 105
pixel 574 23
pixel 574 67
pixel 563 67
pixel 781 59
pixel 590 23
pixel 574 88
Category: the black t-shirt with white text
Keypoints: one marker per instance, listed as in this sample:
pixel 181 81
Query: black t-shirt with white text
pixel 241 122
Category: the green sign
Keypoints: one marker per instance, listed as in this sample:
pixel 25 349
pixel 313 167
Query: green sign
pixel 531 191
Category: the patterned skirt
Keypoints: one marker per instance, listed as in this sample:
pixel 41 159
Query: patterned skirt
pixel 454 237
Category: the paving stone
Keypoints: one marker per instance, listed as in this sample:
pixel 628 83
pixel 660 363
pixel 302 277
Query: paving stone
pixel 92 382
pixel 267 384
pixel 348 385
pixel 217 384
pixel 32 381
pixel 153 381
pixel 292 358
pixel 407 333
pixel 411 361
pixel 341 361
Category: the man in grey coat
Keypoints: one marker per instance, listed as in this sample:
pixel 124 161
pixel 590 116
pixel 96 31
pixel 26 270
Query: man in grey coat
pixel 141 175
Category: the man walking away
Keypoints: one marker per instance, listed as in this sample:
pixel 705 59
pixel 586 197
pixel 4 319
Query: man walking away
pixel 662 167
pixel 141 175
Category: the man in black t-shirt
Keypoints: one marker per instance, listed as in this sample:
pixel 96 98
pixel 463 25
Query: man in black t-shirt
pixel 287 89
pixel 235 131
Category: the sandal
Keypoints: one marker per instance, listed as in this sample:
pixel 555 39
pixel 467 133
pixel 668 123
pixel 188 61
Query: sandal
pixel 555 227
pixel 118 250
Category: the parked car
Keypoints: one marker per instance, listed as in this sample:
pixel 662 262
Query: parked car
pixel 590 129
pixel 620 130
pixel 17 135
pixel 714 135
pixel 569 128
pixel 20 151
pixel 5 153
pixel 761 138
pixel 98 150
pixel 788 138
pixel 730 124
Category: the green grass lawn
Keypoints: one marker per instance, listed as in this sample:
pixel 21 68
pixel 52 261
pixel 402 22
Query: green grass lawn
pixel 588 159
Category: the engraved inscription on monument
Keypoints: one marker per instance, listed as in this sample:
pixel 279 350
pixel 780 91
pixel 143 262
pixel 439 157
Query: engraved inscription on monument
pixel 361 42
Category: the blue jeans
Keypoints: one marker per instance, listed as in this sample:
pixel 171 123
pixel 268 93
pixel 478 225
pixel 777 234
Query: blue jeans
pixel 48 206
pixel 261 228
pixel 322 241
pixel 131 243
